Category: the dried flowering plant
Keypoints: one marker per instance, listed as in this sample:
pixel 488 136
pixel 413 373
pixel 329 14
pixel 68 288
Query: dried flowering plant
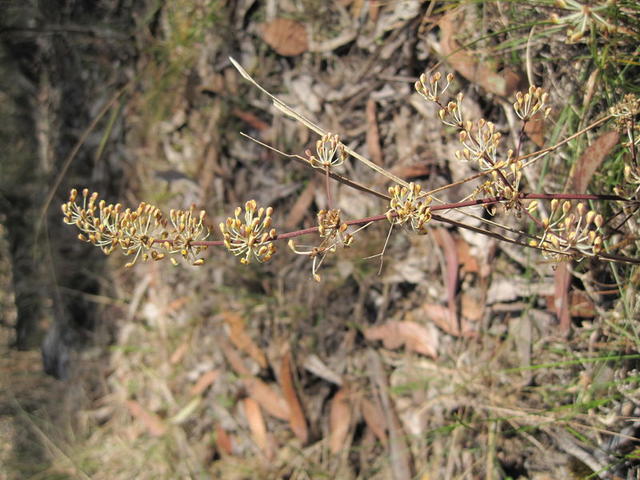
pixel 570 229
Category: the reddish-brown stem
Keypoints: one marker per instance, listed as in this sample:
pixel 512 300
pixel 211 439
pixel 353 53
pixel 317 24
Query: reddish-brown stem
pixel 435 208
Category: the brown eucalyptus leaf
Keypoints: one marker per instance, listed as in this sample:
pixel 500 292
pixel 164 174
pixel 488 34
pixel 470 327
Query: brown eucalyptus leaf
pixel 301 207
pixel 373 134
pixel 223 440
pixel 178 353
pixel 234 358
pixel 441 317
pixel 591 159
pixel 534 129
pixel 285 36
pixel 412 335
pixel 242 340
pixel 268 398
pixel 468 64
pixel 152 422
pixel 297 420
pixel 257 426
pixel 562 280
pixel 339 420
pixel 205 380
pixel 468 263
pixel 374 419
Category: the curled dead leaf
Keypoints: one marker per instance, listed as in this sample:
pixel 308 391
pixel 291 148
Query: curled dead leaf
pixel 412 335
pixel 469 65
pixel 152 422
pixel 285 36
pixel 268 398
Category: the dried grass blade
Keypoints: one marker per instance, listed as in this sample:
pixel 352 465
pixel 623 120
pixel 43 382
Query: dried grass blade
pixel 400 456
pixel 284 108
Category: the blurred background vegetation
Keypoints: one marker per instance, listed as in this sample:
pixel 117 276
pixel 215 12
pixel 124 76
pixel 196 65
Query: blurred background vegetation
pixel 240 372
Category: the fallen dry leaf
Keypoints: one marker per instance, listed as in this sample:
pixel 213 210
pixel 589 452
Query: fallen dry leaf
pixel 285 36
pixel 581 305
pixel 414 336
pixel 297 420
pixel 562 280
pixel 223 440
pixel 339 420
pixel 257 425
pixel 234 359
pixel 588 163
pixel 374 419
pixel 591 159
pixel 153 423
pixel 204 381
pixel 250 119
pixel 440 315
pixel 316 366
pixel 179 352
pixel 242 340
pixel 268 398
pixel 413 170
pixel 534 129
pixel 468 263
pixel 301 206
pixel 471 308
pixel 469 65
pixel 445 242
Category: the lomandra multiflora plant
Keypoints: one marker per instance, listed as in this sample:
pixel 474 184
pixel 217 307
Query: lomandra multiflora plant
pixel 566 227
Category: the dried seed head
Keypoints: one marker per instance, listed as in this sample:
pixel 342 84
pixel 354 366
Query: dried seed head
pixel 252 236
pixel 134 231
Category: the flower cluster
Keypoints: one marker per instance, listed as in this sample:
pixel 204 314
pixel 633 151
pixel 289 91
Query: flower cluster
pixel 187 228
pixel 451 114
pixel 334 235
pixel 330 152
pixel 569 231
pixel 626 109
pixel 142 232
pixel 480 144
pixel 582 18
pixel 251 236
pixel 529 103
pixel 407 205
pixel 504 181
pixel 430 88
